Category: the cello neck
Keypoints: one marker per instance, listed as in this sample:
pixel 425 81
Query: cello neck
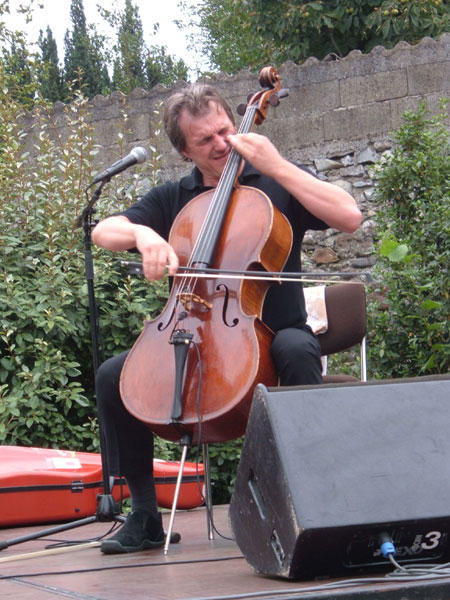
pixel 204 250
pixel 256 110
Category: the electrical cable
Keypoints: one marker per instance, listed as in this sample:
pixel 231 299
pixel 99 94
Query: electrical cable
pixel 428 570
pixel 64 543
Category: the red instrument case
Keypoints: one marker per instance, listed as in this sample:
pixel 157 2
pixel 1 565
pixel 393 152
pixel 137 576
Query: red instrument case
pixel 41 485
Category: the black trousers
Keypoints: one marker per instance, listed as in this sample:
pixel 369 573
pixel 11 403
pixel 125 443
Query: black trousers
pixel 129 443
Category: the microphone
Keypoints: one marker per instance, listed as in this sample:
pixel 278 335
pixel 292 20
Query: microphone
pixel 137 155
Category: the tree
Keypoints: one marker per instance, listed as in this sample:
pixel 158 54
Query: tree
pixel 51 80
pixel 20 72
pixel 129 65
pixel 163 68
pixel 227 38
pixel 84 53
pixel 242 33
pixel 136 64
pixel 19 66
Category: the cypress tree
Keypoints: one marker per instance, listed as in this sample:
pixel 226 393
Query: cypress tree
pixel 83 52
pixel 51 80
pixel 129 66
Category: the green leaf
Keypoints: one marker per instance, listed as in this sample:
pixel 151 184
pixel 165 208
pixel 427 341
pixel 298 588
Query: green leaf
pixel 399 253
pixel 387 246
pixel 7 363
pixel 385 29
pixel 430 304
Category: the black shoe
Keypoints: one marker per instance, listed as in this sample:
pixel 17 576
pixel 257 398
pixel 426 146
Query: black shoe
pixel 141 531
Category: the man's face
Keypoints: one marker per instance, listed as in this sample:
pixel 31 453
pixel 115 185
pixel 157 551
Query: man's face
pixel 206 141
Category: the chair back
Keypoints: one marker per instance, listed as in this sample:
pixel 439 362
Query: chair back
pixel 346 313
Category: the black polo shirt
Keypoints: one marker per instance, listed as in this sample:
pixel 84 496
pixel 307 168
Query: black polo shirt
pixel 284 305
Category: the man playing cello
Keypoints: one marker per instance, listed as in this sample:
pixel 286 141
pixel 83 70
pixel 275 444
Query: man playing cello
pixel 200 125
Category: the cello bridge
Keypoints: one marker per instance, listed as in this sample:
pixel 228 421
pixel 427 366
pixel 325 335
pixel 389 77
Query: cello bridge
pixel 189 300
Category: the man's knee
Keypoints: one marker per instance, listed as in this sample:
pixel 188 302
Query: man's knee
pixel 295 344
pixel 296 354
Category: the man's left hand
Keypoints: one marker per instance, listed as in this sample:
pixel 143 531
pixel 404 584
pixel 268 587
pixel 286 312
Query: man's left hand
pixel 259 151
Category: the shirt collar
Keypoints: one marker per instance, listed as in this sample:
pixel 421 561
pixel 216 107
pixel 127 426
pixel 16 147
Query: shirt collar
pixel 193 181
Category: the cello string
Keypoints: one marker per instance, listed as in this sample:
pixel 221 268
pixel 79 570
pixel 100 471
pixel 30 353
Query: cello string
pixel 229 173
pixel 218 203
pixel 220 199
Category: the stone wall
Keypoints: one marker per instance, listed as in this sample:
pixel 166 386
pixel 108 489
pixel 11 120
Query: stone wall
pixel 337 120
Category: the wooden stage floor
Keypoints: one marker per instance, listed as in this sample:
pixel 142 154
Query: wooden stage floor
pixel 194 569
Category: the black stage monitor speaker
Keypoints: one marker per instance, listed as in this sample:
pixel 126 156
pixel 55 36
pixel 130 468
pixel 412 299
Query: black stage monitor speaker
pixel 325 471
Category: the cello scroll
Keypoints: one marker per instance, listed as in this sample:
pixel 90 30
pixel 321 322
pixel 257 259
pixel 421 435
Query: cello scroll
pixel 269 96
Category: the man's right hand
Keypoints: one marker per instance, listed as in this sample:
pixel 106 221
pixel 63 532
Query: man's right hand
pixel 157 254
pixel 118 233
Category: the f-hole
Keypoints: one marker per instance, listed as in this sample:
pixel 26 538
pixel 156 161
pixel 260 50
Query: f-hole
pixel 161 326
pixel 225 306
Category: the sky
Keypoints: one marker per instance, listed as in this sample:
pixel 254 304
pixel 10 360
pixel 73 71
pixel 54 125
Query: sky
pixel 56 14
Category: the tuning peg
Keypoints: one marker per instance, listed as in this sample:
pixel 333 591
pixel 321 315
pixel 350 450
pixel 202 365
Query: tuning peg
pixel 274 100
pixel 241 109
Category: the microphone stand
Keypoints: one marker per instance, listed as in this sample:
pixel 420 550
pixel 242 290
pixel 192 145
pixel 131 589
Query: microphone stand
pixel 107 507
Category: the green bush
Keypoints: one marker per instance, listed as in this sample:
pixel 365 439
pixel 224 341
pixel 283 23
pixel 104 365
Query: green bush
pixel 46 369
pixel 410 306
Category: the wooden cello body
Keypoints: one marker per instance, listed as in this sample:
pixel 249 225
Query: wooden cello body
pixel 194 368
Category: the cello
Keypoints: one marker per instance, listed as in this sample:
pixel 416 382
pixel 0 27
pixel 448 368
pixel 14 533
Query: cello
pixel 193 369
